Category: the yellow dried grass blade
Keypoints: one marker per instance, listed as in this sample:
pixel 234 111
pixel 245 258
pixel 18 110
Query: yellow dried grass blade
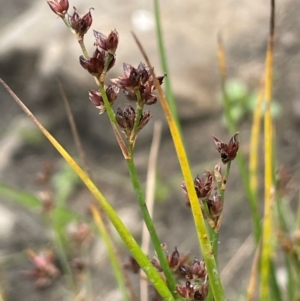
pixel 268 139
pixel 254 142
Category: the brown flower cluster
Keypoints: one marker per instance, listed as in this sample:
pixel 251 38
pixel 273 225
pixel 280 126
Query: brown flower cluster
pixel 44 270
pixel 79 24
pixel 97 64
pixel 59 7
pixel 107 43
pixel 211 203
pixel 202 185
pixel 192 273
pixel 126 119
pixel 209 186
pixel 175 260
pixel 193 292
pixel 137 83
pixel 227 151
pixel 96 98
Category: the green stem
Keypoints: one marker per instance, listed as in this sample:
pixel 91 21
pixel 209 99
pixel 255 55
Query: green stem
pixel 139 111
pixel 149 223
pixel 59 240
pixel 164 63
pixel 100 80
pixel 83 48
pixel 222 188
pixel 109 110
pixel 79 39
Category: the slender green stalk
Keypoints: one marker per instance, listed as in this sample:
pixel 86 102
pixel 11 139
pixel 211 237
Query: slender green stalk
pixel 60 243
pixel 291 283
pixel 222 188
pixel 275 290
pixel 79 39
pixel 149 223
pixel 164 63
pixel 109 110
pixel 83 48
pixel 139 111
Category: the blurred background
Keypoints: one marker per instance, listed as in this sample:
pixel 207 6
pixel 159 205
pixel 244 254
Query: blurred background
pixel 37 52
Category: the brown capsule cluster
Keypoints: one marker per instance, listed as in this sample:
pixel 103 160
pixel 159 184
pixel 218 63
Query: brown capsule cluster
pixel 95 64
pixel 81 24
pixel 203 185
pixel 289 243
pixel 227 151
pixel 194 273
pixel 59 7
pixel 175 260
pixel 96 98
pixel 211 203
pixel 138 83
pixel 43 178
pixel 80 235
pixel 132 265
pixel 193 292
pixel 78 265
pixel 107 43
pixel 215 205
pixel 44 270
pixel 126 119
pixel 104 57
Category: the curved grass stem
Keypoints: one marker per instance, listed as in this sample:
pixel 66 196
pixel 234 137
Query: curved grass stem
pixel 149 223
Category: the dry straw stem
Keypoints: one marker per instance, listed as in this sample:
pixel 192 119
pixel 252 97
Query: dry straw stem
pixel 253 276
pixel 236 262
pixel 74 131
pixel 222 60
pixel 126 236
pixel 267 222
pixel 207 251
